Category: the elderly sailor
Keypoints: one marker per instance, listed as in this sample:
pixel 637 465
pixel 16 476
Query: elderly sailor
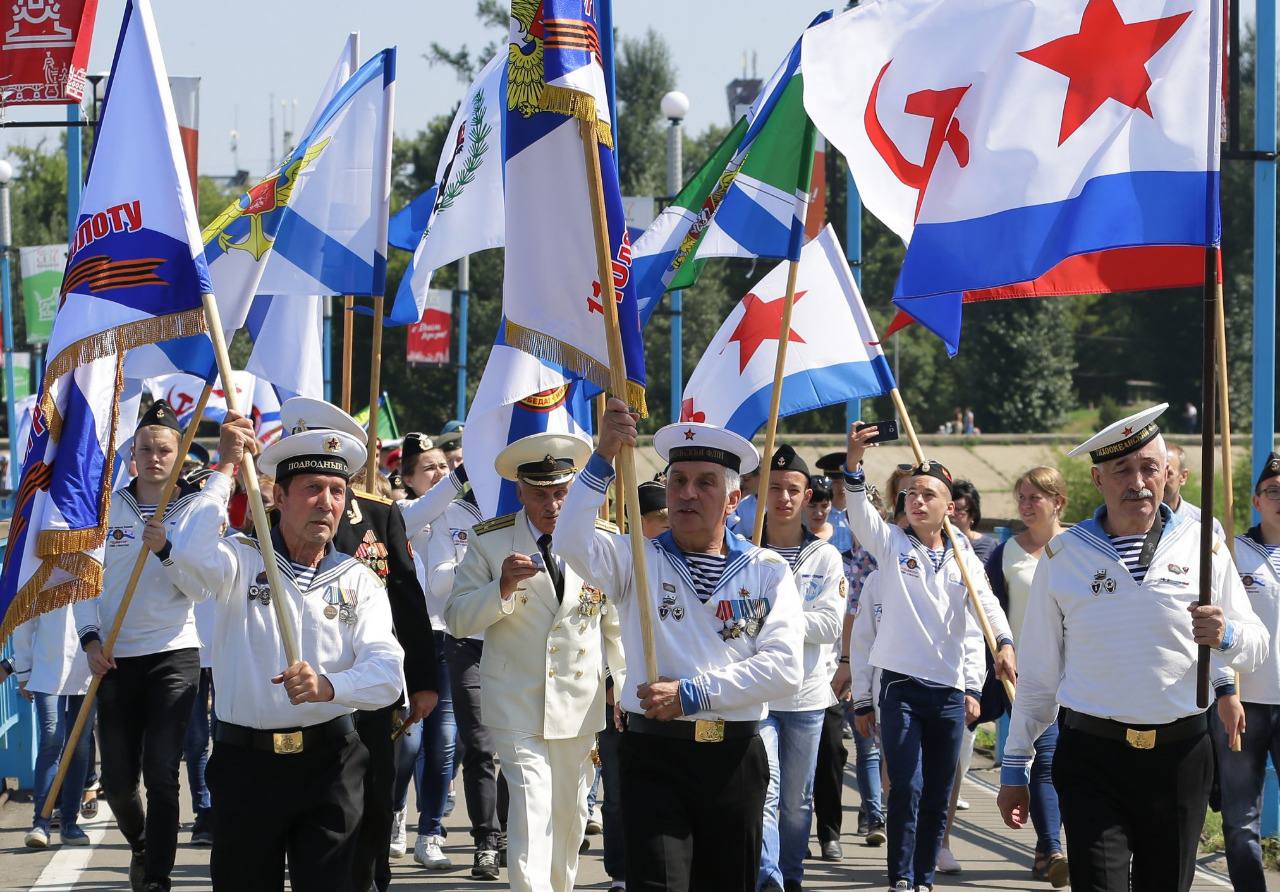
pixel 287 771
pixel 542 670
pixel 728 636
pixel 1111 634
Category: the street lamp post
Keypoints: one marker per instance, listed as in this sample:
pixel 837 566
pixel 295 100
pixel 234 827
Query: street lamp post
pixel 6 295
pixel 675 105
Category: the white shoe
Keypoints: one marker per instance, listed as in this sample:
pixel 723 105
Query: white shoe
pixel 947 862
pixel 37 838
pixel 962 805
pixel 429 852
pixel 398 842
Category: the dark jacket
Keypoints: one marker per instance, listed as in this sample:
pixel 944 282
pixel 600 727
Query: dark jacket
pixel 372 531
pixel 994 703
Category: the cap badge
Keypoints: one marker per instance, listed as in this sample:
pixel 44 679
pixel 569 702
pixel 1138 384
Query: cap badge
pixel 779 461
pixel 159 413
pixel 1274 464
pixel 299 426
pixel 1127 431
pixel 332 444
pixel 689 434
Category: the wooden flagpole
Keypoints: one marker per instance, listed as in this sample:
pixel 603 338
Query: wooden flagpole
pixel 348 332
pixel 775 399
pixel 108 646
pixel 952 535
pixel 249 479
pixel 375 385
pixel 600 409
pixel 1224 413
pixel 626 464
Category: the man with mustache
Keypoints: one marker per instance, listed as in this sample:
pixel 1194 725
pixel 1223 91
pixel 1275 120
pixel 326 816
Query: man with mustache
pixel 1111 635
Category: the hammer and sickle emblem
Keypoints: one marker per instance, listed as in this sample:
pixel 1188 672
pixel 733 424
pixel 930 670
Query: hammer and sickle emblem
pixel 938 105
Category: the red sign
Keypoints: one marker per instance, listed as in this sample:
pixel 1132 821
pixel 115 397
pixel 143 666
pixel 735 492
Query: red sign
pixel 429 339
pixel 45 50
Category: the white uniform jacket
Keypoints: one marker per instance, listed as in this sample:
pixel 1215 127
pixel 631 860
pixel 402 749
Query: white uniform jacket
pixel 442 547
pixel 341 621
pixel 421 512
pixel 1097 642
pixel 161 617
pixel 865 678
pixel 737 652
pixel 819 577
pixel 48 657
pixel 542 670
pixel 1260 576
pixel 926 611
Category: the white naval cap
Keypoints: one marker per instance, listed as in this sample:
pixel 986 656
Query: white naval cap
pixel 317 451
pixel 1125 436
pixel 543 459
pixel 301 413
pixel 694 441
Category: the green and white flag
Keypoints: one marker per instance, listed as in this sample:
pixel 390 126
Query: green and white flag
pixel 42 268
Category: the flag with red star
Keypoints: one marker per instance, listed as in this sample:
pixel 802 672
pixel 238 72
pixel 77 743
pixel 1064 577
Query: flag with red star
pixel 833 354
pixel 1027 150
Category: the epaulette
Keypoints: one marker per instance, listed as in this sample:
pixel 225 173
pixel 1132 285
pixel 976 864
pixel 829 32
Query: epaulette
pixel 372 497
pixel 501 522
pixel 607 526
pixel 1050 551
pixel 244 539
pixel 1217 544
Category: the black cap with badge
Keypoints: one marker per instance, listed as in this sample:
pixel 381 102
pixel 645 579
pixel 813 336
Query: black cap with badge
pixel 1270 469
pixel 787 459
pixel 160 414
pixel 832 463
pixel 413 445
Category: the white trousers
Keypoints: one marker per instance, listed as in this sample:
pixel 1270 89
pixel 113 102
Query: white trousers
pixel 548 781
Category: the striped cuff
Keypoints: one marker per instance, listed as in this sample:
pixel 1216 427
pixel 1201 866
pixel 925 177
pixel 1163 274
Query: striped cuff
pixel 1228 637
pixel 863 706
pixel 1226 689
pixel 598 473
pixel 88 635
pixel 855 482
pixel 1015 771
pixel 694 697
pixel 165 552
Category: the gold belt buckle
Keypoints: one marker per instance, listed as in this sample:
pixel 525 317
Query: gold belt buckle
pixel 708 731
pixel 286 743
pixel 1140 740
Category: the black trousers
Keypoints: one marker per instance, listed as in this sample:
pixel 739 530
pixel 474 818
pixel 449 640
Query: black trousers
pixel 372 866
pixel 692 813
pixel 304 807
pixel 828 777
pixel 144 705
pixel 1120 803
pixel 485 791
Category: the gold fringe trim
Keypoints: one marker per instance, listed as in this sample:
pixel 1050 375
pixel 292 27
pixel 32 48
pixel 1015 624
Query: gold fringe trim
pixel 33 599
pixel 577 361
pixel 582 106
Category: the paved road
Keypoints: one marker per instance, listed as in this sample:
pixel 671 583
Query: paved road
pixel 994 858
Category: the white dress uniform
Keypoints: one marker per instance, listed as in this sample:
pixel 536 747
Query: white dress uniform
pixel 288 779
pixel 542 673
pixel 693 787
pixel 1133 764
pixel 47 655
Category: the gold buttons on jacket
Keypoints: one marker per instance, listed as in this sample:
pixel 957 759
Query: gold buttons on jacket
pixel 551 674
pixel 578 674
pixel 555 648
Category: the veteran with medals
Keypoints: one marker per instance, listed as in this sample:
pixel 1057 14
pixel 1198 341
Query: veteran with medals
pixel 1109 646
pixel 547 634
pixel 287 770
pixel 729 638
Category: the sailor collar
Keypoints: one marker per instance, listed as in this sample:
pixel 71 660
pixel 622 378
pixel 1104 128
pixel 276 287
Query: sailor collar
pixel 182 492
pixel 331 565
pixel 1092 533
pixel 740 552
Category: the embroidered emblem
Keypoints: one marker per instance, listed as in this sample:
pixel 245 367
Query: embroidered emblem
pixel 1102 580
pixel 670 608
pixel 1247 580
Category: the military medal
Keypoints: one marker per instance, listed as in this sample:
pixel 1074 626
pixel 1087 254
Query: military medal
pixel 330 612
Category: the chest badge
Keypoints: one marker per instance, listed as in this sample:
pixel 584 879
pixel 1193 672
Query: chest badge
pixel 1102 581
pixel 260 591
pixel 669 608
pixel 590 601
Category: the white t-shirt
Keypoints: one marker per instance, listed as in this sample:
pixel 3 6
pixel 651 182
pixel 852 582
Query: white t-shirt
pixel 1019 569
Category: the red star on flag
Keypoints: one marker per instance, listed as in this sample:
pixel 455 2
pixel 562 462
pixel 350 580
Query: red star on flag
pixel 1106 59
pixel 687 412
pixel 761 321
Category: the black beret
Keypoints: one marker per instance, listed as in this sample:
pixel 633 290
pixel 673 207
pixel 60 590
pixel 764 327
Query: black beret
pixel 413 445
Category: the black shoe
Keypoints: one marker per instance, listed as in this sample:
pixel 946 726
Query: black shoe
pixel 875 834
pixel 201 832
pixel 792 886
pixel 862 824
pixel 502 849
pixel 138 871
pixel 485 866
pixel 585 847
pixel 831 851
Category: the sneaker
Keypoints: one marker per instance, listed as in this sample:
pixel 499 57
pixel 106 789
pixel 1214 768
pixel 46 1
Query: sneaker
pixel 947 862
pixel 89 807
pixel 876 835
pixel 962 805
pixel 902 886
pixel 594 827
pixel 863 821
pixel 37 838
pixel 399 841
pixel 831 851
pixel 55 819
pixel 448 804
pixel 485 866
pixel 72 835
pixel 429 852
pixel 201 835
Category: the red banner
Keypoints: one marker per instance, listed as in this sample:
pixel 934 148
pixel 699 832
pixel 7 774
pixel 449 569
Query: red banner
pixel 429 340
pixel 45 50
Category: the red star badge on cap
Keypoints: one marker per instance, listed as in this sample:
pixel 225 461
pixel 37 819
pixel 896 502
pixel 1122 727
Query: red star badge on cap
pixel 1127 432
pixel 1106 59
pixel 332 444
pixel 689 434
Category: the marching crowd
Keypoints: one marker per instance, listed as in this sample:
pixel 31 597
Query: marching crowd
pixel 693 705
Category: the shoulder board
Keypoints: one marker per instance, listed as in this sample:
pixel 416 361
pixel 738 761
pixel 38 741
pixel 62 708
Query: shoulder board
pixel 1217 544
pixel 1052 548
pixel 607 526
pixel 501 522
pixel 244 540
pixel 369 497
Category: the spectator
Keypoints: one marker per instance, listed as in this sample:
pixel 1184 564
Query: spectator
pixel 967 516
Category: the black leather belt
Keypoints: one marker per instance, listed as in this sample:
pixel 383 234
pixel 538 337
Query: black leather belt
pixel 699 731
pixel 285 742
pixel 1139 737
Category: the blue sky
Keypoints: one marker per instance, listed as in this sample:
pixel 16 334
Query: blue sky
pixel 245 51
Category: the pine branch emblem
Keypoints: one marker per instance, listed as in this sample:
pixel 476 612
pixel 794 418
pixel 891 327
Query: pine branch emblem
pixel 468 156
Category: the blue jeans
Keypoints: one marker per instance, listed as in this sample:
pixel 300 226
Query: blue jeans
pixel 54 717
pixel 791 742
pixel 408 752
pixel 1241 776
pixel 434 768
pixel 867 759
pixel 921 727
pixel 195 748
pixel 1045 816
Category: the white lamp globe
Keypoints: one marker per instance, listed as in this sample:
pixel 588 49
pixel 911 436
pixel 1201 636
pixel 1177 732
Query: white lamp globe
pixel 6 172
pixel 675 105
